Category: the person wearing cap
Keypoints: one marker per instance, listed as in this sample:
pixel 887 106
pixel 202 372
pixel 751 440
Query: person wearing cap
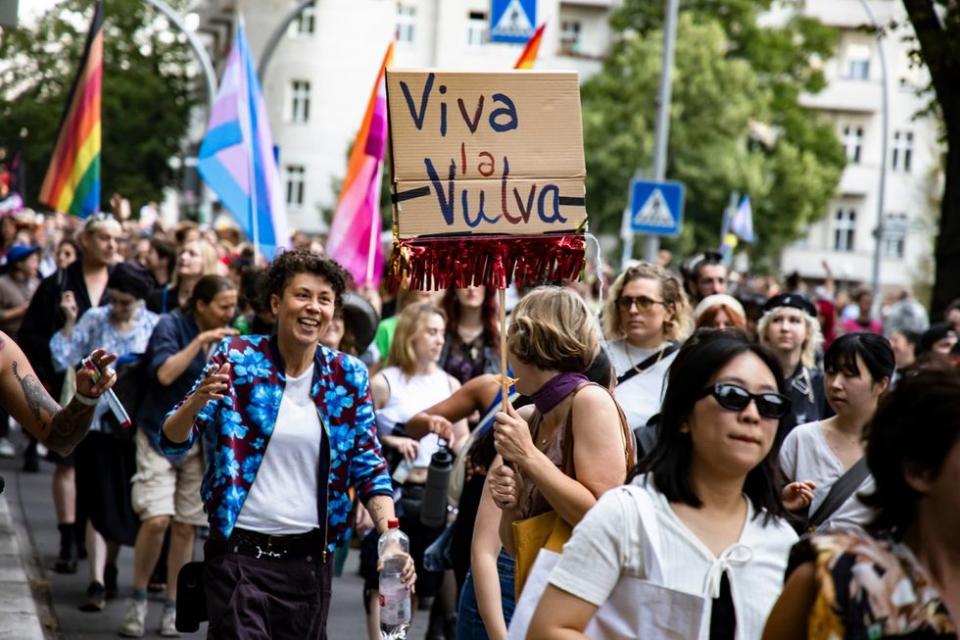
pixel 17 284
pixel 937 341
pixel 789 326
pixel 719 311
pixel 104 460
pixel 705 275
pixel 86 279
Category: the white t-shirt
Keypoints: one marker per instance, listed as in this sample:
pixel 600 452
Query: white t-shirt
pixel 409 395
pixel 609 540
pixel 806 455
pixel 283 497
pixel 640 396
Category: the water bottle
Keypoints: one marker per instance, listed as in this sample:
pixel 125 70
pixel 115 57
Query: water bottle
pixel 395 610
pixel 433 512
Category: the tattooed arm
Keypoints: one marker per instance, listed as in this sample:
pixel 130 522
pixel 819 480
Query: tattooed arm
pixel 381 510
pixel 25 398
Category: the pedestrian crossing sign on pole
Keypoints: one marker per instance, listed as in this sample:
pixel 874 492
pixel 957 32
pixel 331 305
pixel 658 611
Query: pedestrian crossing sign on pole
pixel 656 208
pixel 512 21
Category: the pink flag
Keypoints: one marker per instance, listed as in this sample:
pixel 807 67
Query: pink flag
pixel 354 239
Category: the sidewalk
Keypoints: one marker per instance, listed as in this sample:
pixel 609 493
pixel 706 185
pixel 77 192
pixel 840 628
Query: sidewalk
pixel 51 611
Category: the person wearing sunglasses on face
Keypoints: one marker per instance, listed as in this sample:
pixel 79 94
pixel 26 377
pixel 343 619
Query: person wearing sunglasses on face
pixel 644 319
pixel 713 480
pixel 816 455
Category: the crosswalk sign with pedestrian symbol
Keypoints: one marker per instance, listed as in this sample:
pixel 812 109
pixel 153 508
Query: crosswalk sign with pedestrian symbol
pixel 512 21
pixel 656 208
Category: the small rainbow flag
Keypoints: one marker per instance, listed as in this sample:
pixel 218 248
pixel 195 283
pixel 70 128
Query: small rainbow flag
pixel 529 55
pixel 72 183
pixel 354 239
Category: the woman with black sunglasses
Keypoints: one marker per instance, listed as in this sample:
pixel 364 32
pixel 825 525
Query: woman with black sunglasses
pixel 711 486
pixel 816 455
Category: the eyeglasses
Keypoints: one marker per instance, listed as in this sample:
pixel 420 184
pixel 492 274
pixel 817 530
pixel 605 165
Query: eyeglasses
pixel 733 397
pixel 643 303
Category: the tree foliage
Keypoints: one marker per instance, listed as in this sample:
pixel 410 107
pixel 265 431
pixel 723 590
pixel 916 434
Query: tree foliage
pixel 733 77
pixel 146 93
pixel 937 27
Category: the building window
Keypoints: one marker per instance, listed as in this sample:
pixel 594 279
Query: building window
pixel 406 22
pixel 570 36
pixel 305 22
pixel 296 179
pixel 902 151
pixel 858 62
pixel 844 229
pixel 299 101
pixel 853 142
pixel 477 28
pixel 895 236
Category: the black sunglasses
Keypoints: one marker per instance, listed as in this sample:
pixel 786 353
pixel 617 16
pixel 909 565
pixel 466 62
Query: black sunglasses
pixel 643 302
pixel 736 398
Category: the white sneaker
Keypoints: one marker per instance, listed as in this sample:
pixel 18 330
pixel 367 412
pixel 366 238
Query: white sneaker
pixel 41 450
pixel 168 623
pixel 7 450
pixel 134 619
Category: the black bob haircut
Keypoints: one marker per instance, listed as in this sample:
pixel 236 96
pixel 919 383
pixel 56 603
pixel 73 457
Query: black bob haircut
pixel 295 261
pixel 916 426
pixel 699 360
pixel 874 350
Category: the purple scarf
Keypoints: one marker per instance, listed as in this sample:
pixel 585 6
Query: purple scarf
pixel 556 389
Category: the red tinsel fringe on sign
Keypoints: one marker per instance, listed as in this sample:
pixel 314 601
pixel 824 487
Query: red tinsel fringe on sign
pixel 492 261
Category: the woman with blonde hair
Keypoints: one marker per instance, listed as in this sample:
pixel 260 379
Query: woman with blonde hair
pixel 411 382
pixel 574 444
pixel 789 326
pixel 645 319
pixel 196 258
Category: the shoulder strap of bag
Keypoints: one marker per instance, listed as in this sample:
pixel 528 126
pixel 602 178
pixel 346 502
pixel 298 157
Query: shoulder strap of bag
pixel 841 490
pixel 626 435
pixel 649 362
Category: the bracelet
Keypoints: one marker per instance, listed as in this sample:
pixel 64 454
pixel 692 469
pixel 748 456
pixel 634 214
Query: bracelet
pixel 86 400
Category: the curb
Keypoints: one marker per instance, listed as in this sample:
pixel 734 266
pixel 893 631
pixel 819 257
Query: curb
pixel 19 617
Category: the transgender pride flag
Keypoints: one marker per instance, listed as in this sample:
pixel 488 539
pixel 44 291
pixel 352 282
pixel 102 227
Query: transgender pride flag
pixel 354 239
pixel 236 156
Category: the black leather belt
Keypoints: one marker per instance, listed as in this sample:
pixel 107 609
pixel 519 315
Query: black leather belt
pixel 263 546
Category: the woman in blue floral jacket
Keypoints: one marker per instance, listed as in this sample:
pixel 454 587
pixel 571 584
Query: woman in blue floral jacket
pixel 277 512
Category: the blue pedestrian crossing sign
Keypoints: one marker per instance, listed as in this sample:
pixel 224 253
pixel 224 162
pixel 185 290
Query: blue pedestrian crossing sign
pixel 512 21
pixel 656 208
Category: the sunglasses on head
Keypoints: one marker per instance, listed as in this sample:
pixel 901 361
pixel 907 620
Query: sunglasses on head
pixel 735 398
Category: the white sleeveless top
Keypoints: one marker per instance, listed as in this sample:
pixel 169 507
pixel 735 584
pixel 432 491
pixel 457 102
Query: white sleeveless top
pixel 408 397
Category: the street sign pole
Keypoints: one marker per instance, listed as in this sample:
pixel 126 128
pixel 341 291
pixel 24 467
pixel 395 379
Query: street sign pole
pixel 652 244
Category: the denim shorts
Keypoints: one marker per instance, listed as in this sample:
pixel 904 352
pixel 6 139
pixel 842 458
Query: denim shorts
pixel 469 623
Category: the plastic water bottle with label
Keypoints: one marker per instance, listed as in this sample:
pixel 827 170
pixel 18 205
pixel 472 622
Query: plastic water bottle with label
pixel 395 610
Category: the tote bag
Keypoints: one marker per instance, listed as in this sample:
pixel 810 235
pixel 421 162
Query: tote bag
pixel 637 607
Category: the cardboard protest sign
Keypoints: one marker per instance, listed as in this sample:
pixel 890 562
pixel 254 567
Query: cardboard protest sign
pixel 488 177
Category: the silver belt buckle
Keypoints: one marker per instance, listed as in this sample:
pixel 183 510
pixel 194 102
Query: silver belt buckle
pixel 270 553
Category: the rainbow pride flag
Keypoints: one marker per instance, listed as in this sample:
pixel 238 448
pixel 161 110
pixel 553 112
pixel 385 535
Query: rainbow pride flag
pixel 354 239
pixel 72 183
pixel 529 55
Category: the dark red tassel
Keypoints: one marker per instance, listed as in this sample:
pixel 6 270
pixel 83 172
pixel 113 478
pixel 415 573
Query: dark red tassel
pixel 493 261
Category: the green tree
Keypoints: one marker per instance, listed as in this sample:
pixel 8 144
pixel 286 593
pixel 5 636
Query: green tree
pixel 146 95
pixel 937 27
pixel 732 78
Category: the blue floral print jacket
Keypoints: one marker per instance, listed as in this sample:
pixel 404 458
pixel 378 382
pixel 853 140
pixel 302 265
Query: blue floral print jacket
pixel 236 429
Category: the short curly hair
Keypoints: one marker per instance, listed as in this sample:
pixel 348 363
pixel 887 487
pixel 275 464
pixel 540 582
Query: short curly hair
pixel 294 261
pixel 552 328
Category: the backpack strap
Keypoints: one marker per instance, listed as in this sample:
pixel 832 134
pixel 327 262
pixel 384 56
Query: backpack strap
pixel 840 492
pixel 654 358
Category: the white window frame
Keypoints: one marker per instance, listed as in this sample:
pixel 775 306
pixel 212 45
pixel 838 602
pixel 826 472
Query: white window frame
pixel 895 228
pixel 571 34
pixel 478 29
pixel 295 185
pixel 901 154
pixel 857 63
pixel 305 24
pixel 845 229
pixel 299 102
pixel 406 31
pixel 852 135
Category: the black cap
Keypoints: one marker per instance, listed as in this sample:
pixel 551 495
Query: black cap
pixel 791 300
pixel 131 279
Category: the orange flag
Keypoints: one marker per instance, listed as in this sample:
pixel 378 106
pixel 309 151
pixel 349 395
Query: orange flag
pixel 529 55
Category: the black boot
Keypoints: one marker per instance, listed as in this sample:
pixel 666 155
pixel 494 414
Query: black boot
pixel 67 558
pixel 110 581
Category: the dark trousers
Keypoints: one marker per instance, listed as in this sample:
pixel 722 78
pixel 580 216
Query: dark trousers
pixel 267 599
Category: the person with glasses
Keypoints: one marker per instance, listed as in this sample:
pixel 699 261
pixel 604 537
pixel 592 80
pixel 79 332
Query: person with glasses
pixel 816 455
pixel 789 327
pixel 644 319
pixel 104 460
pixel 708 493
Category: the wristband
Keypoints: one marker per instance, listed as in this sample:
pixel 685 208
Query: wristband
pixel 86 400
